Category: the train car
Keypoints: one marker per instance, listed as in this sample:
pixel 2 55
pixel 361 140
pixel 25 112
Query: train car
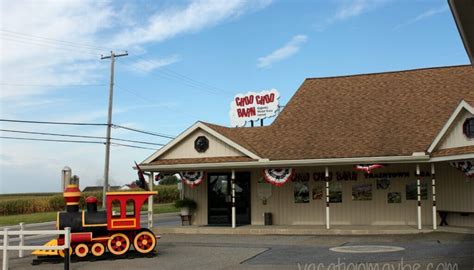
pixel 115 229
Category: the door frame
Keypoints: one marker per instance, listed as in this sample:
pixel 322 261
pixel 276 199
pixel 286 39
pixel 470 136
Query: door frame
pixel 229 207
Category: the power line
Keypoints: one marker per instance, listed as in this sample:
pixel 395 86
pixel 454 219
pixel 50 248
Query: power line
pixel 24 35
pixel 51 122
pixel 133 146
pixel 86 124
pixel 180 76
pixel 61 44
pixel 73 141
pixel 75 136
pixel 144 132
pixel 147 100
pixel 133 141
pixel 175 78
pixel 49 85
pixel 49 140
pixel 51 45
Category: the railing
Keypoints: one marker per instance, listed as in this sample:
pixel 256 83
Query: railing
pixel 21 247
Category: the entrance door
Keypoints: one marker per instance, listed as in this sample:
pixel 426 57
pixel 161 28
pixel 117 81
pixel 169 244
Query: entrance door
pixel 219 199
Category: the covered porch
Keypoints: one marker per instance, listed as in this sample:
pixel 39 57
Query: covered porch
pixel 396 198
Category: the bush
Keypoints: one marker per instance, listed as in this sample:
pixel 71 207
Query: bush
pixel 191 204
pixel 166 194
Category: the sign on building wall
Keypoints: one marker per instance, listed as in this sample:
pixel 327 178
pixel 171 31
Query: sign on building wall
pixel 253 106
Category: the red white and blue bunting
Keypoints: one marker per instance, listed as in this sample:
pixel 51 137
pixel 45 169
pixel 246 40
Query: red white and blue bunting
pixel 279 176
pixel 368 168
pixel 193 179
pixel 466 166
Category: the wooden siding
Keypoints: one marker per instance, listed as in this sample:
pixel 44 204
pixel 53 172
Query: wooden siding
pixel 374 212
pixel 185 148
pixel 453 193
pixel 455 136
pixel 199 194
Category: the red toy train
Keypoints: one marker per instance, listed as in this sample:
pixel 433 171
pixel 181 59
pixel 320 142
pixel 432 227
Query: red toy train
pixel 93 231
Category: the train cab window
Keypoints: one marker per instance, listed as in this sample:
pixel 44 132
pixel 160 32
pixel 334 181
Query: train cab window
pixel 115 208
pixel 130 208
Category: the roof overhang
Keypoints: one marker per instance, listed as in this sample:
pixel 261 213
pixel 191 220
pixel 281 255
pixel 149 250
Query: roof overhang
pixel 416 158
pixel 452 158
pixel 463 11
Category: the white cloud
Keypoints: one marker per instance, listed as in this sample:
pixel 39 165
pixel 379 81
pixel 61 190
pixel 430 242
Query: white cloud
pixel 427 14
pixel 52 42
pixel 349 9
pixel 190 19
pixel 148 65
pixel 355 8
pixel 289 49
pixel 40 58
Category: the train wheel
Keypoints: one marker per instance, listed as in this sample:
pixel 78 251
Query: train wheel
pixel 118 244
pixel 81 250
pixel 144 242
pixel 98 249
pixel 61 252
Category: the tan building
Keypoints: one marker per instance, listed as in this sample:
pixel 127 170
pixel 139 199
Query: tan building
pixel 414 128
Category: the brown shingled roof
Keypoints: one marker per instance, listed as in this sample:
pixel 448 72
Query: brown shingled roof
pixel 199 160
pixel 382 114
pixel 453 151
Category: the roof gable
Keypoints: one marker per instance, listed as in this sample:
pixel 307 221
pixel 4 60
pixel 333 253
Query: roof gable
pixel 182 147
pixel 451 136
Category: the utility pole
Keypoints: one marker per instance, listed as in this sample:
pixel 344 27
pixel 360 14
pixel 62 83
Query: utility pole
pixel 112 57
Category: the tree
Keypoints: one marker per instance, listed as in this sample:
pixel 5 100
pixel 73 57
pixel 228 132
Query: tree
pixel 169 180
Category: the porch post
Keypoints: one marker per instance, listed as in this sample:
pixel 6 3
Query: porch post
pixel 418 195
pixel 433 193
pixel 150 201
pixel 233 198
pixel 327 197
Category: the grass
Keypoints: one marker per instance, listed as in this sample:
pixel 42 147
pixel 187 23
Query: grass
pixel 27 218
pixel 51 216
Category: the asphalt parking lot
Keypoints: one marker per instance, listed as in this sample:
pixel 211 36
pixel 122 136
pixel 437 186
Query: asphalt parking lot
pixel 423 251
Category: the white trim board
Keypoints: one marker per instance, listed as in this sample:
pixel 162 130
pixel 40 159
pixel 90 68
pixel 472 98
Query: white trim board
pixel 462 105
pixel 187 132
pixel 289 163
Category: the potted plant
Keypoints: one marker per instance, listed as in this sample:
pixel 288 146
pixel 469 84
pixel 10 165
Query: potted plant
pixel 187 206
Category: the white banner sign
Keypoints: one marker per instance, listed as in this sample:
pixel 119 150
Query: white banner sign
pixel 253 106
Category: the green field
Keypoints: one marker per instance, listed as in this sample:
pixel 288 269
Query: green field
pixel 51 216
pixel 6 197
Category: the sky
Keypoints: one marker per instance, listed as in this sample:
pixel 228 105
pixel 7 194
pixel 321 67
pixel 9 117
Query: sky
pixel 186 61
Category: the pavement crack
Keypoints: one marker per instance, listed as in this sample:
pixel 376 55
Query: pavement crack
pixel 256 255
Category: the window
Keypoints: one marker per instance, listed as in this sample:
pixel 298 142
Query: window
pixel 130 208
pixel 468 128
pixel 115 208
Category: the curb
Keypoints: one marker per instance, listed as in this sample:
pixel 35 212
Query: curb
pixel 282 231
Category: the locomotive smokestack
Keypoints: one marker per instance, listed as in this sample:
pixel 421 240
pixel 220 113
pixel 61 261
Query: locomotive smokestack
pixel 72 195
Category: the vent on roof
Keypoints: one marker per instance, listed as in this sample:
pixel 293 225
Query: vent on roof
pixel 468 128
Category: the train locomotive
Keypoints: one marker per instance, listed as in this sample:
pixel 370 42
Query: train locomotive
pixel 94 231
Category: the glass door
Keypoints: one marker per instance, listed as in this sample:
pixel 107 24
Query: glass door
pixel 220 200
